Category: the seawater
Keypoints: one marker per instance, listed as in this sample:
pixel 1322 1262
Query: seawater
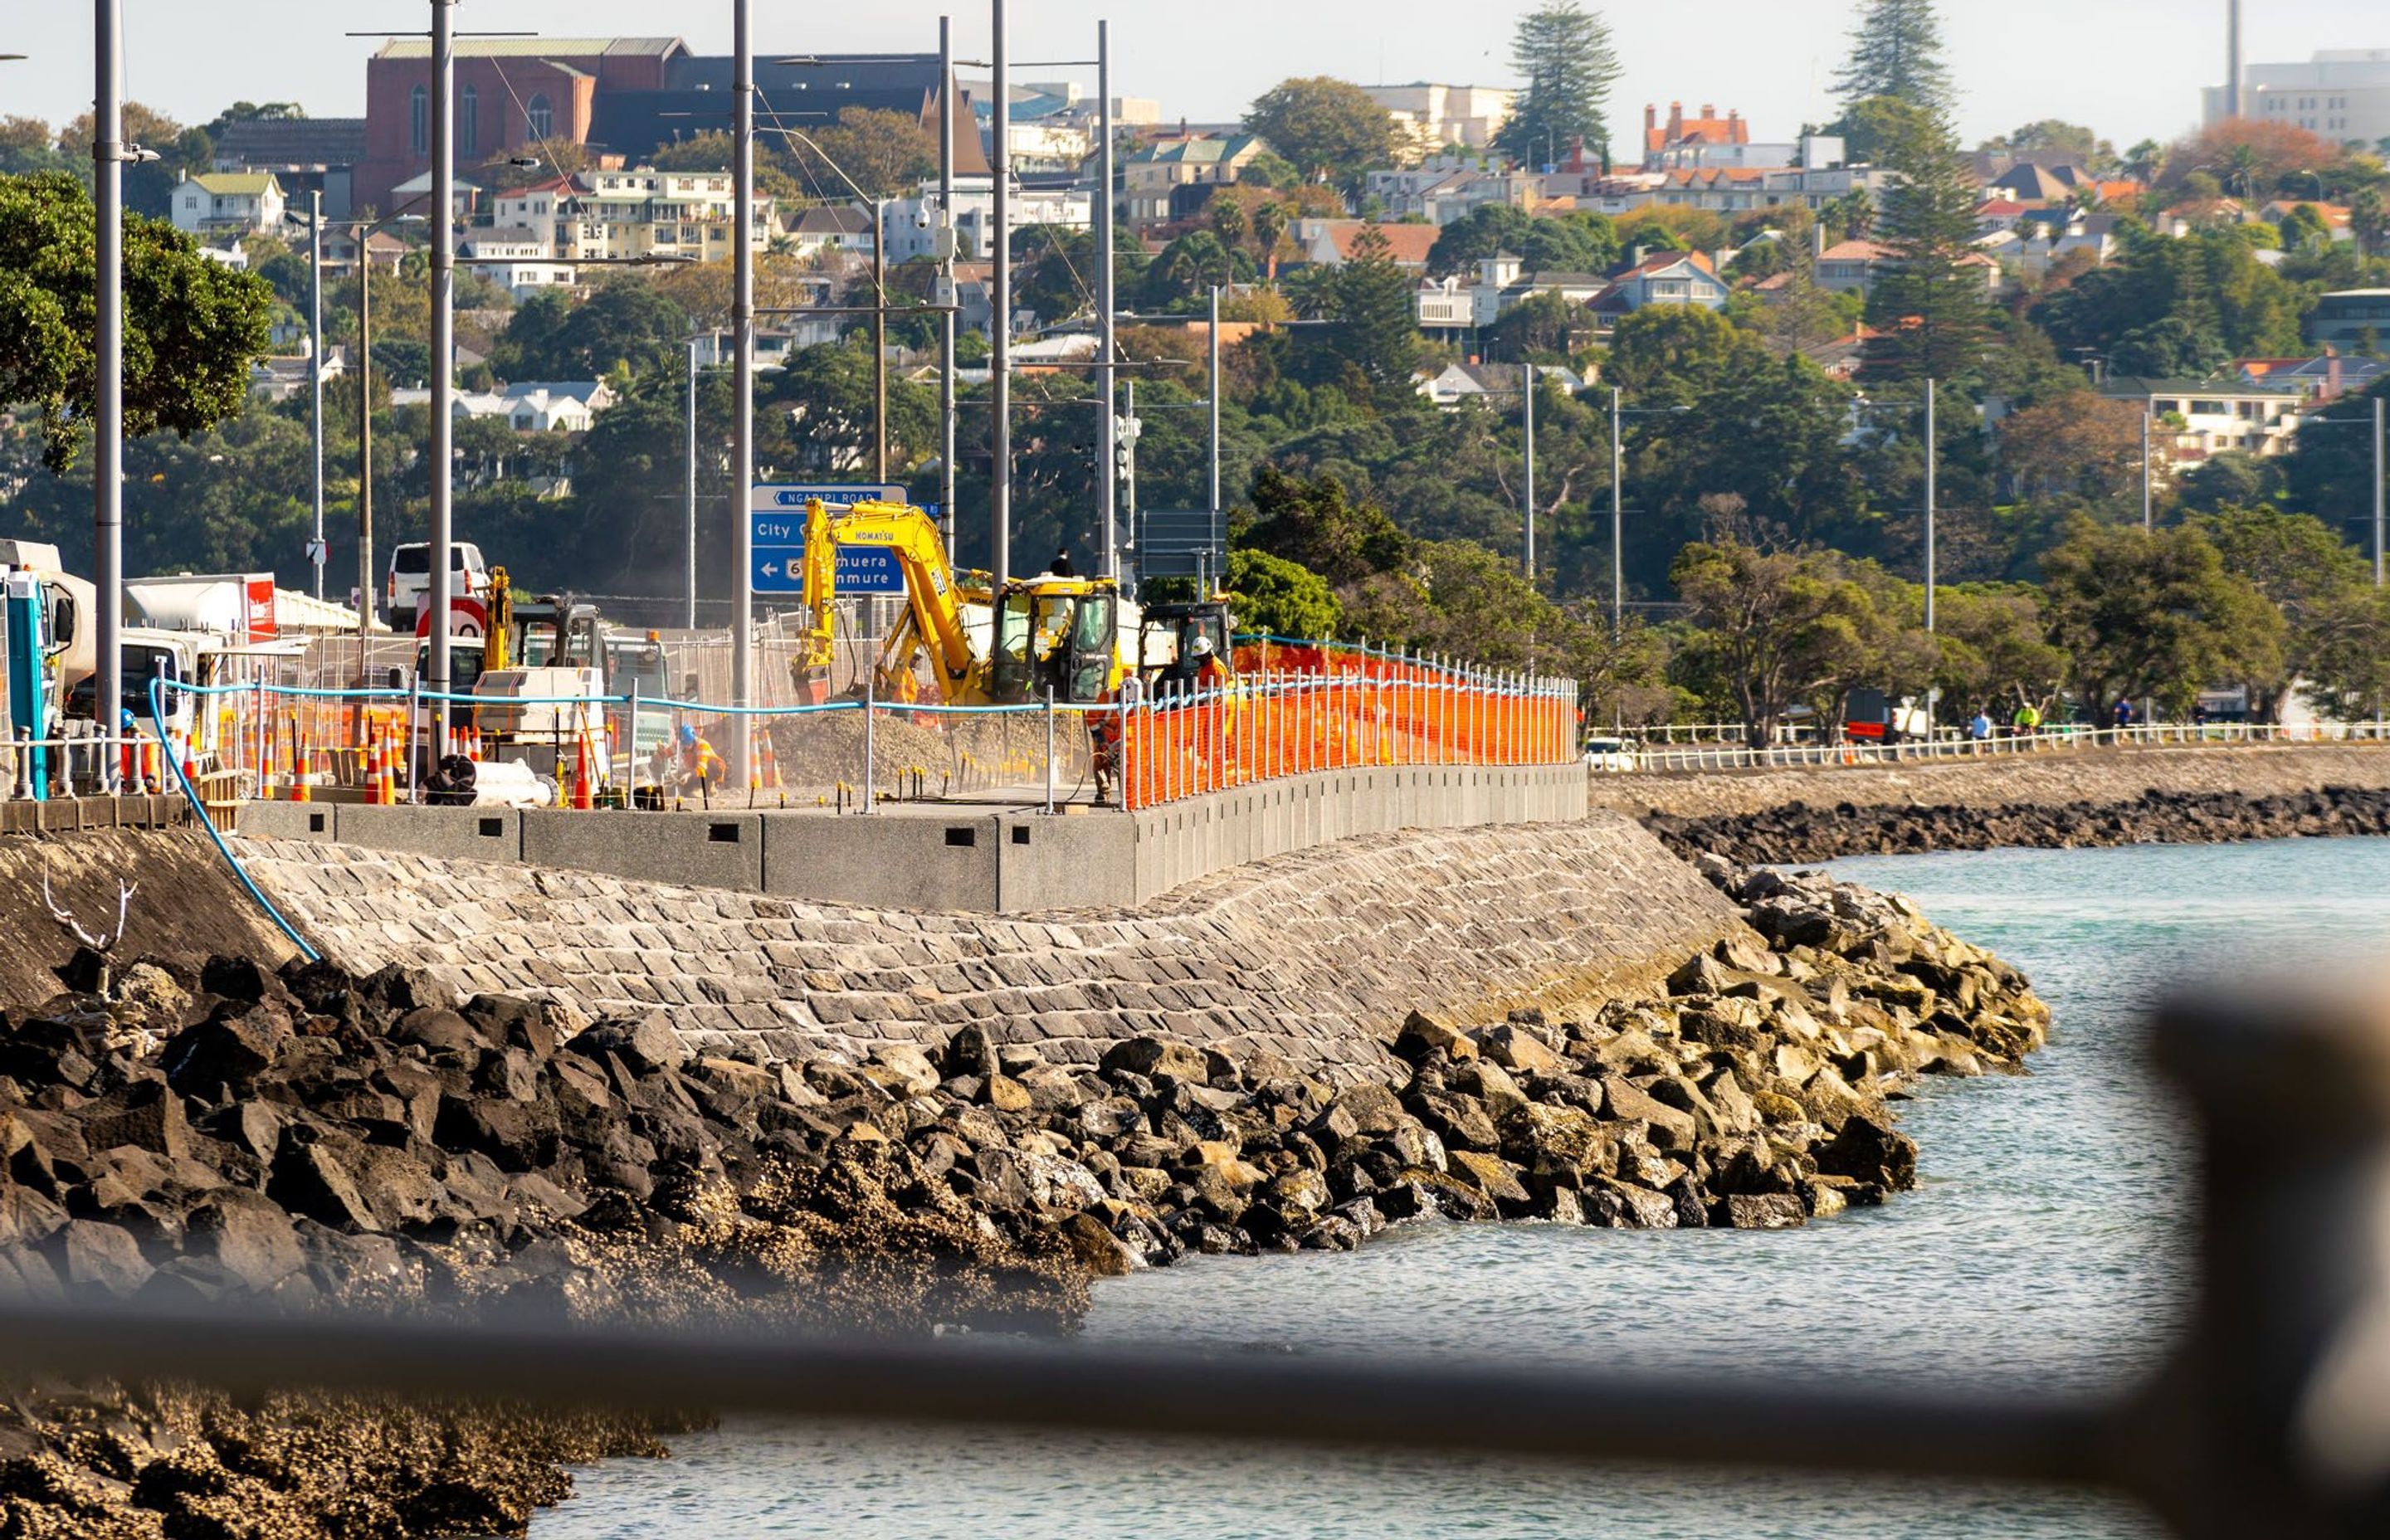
pixel 2045 1252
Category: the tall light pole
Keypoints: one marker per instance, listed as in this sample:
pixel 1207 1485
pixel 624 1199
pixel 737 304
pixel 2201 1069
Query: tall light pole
pixel 1932 460
pixel 880 339
pixel 1106 305
pixel 2381 479
pixel 109 153
pixel 318 554
pixel 1000 356
pixel 1527 445
pixel 1617 523
pixel 688 551
pixel 443 359
pixel 2148 520
pixel 946 284
pixel 742 334
pixel 1219 509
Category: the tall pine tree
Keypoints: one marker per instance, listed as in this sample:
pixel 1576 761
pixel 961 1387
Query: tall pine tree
pixel 1897 51
pixel 1564 55
pixel 1929 301
pixel 1376 307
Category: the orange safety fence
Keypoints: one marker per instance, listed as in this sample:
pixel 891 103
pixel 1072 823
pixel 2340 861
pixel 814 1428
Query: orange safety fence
pixel 1270 726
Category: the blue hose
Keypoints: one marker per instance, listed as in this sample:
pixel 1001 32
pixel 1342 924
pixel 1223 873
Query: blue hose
pixel 200 810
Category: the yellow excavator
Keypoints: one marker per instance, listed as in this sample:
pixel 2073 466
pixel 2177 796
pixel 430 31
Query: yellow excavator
pixel 1050 632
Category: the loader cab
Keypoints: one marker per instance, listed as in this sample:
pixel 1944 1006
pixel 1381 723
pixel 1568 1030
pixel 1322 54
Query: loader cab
pixel 1056 634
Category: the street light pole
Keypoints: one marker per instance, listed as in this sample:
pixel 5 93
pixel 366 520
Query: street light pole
pixel 1617 524
pixel 1000 356
pixel 743 333
pixel 880 339
pixel 2147 520
pixel 2381 487
pixel 1219 521
pixel 319 555
pixel 946 271
pixel 1107 426
pixel 365 448
pixel 689 552
pixel 108 153
pixel 1933 458
pixel 443 358
pixel 1527 445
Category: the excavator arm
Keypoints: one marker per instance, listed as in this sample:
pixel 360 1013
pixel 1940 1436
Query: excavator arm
pixel 933 600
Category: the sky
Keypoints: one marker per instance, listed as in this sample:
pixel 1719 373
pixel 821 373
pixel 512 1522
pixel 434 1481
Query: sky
pixel 2131 69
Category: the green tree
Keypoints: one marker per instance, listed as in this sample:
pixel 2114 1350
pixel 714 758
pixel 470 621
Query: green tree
pixel 1376 334
pixel 1897 51
pixel 2052 135
pixel 1274 596
pixel 1781 628
pixel 1565 243
pixel 1929 307
pixel 2154 614
pixel 1565 56
pixel 1889 131
pixel 626 322
pixel 1329 128
pixel 883 153
pixel 1546 326
pixel 1312 523
pixel 192 328
pixel 1995 648
pixel 2307 573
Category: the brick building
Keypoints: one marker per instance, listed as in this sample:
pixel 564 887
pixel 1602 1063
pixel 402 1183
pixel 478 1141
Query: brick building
pixel 511 92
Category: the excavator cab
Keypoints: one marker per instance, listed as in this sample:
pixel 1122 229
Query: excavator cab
pixel 1169 631
pixel 1061 634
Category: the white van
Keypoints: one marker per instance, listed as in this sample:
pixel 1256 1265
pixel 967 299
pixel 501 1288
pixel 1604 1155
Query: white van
pixel 410 578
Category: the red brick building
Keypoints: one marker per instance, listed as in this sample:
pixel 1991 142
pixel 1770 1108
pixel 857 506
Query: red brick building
pixel 511 92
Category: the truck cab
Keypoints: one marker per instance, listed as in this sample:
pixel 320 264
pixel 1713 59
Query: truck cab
pixel 1058 635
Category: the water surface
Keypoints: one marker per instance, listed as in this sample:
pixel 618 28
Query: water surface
pixel 2044 1252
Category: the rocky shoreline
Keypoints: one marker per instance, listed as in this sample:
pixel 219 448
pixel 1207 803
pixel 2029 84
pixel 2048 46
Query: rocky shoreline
pixel 1798 831
pixel 308 1139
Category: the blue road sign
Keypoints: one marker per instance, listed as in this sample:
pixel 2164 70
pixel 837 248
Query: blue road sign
pixel 791 497
pixel 861 570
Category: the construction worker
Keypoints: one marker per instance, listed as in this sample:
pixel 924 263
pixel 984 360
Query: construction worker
pixel 1105 734
pixel 699 765
pixel 1196 669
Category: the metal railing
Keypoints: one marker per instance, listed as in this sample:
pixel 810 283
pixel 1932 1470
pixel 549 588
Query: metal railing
pixel 2271 1417
pixel 1726 748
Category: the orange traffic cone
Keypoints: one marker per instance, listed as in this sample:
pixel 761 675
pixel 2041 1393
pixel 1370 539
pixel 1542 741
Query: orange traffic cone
pixel 580 772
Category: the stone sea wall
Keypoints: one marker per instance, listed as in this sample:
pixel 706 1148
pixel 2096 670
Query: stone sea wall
pixel 1317 957
pixel 2097 776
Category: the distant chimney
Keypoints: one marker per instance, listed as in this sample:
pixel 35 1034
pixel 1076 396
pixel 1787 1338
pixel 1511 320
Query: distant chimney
pixel 2332 376
pixel 1709 111
pixel 1651 119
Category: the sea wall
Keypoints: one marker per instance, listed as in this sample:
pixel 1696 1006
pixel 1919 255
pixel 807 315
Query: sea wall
pixel 1317 956
pixel 2097 776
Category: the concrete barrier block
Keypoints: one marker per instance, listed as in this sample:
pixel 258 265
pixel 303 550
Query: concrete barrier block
pixel 697 850
pixel 451 833
pixel 287 820
pixel 1065 863
pixel 884 860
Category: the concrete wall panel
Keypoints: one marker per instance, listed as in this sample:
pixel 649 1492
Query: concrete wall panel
pixel 456 833
pixel 883 861
pixel 702 850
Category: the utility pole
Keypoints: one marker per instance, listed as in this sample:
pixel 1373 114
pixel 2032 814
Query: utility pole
pixel 1528 444
pixel 1933 455
pixel 107 154
pixel 688 553
pixel 365 448
pixel 999 559
pixel 946 284
pixel 318 555
pixel 2381 487
pixel 1107 428
pixel 1219 522
pixel 880 338
pixel 2232 58
pixel 2147 520
pixel 1617 524
pixel 443 358
pixel 743 333
pixel 1127 469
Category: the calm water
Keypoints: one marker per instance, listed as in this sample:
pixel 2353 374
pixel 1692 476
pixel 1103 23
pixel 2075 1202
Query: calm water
pixel 2045 1249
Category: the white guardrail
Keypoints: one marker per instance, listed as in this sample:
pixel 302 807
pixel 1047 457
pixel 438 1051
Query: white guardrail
pixel 1712 747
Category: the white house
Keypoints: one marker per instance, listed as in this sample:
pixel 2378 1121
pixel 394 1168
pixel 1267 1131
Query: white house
pixel 528 407
pixel 219 202
pixel 912 229
pixel 1457 382
pixel 842 228
pixel 520 260
pixel 1502 282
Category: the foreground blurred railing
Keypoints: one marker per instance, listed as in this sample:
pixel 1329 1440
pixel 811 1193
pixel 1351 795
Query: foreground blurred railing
pixel 2271 1418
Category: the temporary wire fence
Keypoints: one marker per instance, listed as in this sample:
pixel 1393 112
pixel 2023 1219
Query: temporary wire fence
pixel 1728 748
